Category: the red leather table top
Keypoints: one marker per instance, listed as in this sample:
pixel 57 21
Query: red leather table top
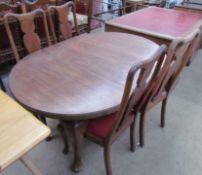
pixel 158 21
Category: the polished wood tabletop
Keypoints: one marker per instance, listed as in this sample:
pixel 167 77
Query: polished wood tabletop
pixel 79 78
pixel 20 131
pixel 159 24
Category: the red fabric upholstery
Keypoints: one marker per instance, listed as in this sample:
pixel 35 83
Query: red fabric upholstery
pixel 100 127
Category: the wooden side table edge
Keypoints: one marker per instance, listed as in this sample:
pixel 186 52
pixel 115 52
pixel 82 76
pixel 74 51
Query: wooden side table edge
pixel 143 31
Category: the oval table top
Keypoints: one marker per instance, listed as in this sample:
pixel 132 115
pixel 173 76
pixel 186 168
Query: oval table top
pixel 79 78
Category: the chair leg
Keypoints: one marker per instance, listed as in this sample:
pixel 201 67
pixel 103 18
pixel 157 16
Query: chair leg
pixel 107 159
pixel 25 160
pixel 2 85
pixel 163 112
pixel 43 119
pixel 63 133
pixel 132 137
pixel 141 127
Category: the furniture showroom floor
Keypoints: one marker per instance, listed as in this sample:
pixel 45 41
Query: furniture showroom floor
pixel 175 150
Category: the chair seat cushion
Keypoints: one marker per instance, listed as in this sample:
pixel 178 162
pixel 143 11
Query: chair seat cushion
pixel 100 127
pixel 81 19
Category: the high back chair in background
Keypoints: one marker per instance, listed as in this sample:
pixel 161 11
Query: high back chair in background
pixel 167 78
pixel 84 12
pixel 43 4
pixel 6 53
pixel 5 8
pixel 195 46
pixel 133 4
pixel 65 28
pixel 40 4
pixel 105 130
pixel 28 28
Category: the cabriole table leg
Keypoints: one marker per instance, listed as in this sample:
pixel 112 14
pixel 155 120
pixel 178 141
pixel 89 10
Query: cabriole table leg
pixel 76 129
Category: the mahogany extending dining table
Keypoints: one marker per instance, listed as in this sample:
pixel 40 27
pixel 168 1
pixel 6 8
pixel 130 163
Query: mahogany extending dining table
pixel 78 79
pixel 158 24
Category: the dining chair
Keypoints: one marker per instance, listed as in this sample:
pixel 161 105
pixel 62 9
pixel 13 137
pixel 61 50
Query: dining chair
pixel 167 79
pixel 133 4
pixel 28 28
pixel 6 53
pixel 43 4
pixel 84 12
pixel 195 47
pixel 106 129
pixel 5 8
pixel 66 29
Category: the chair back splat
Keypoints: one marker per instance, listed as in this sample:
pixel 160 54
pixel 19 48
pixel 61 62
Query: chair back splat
pixel 138 81
pixel 105 130
pixel 28 28
pixel 177 57
pixel 65 28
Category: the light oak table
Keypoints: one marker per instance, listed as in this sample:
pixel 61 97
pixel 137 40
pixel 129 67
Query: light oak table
pixel 158 24
pixel 20 131
pixel 78 79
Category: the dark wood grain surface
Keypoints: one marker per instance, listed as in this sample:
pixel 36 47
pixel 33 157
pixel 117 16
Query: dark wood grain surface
pixel 79 78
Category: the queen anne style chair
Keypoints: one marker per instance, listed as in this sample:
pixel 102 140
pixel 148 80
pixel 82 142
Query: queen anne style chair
pixel 40 4
pixel 105 130
pixel 43 4
pixel 84 12
pixel 177 58
pixel 28 28
pixel 133 4
pixel 27 25
pixel 5 50
pixel 6 53
pixel 195 46
pixel 66 29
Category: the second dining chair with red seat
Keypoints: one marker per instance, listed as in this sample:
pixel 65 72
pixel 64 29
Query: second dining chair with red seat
pixel 196 46
pixel 105 130
pixel 28 29
pixel 167 78
pixel 66 29
pixel 40 4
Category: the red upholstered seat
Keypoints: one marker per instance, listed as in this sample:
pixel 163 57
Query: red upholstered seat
pixel 100 127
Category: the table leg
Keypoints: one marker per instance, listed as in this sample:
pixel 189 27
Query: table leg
pixel 43 120
pixel 64 136
pixel 27 162
pixel 76 128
